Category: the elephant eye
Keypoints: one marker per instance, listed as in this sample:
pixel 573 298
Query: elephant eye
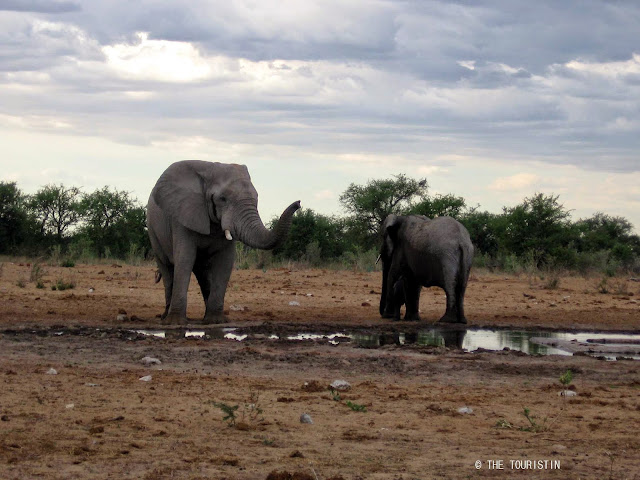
pixel 223 199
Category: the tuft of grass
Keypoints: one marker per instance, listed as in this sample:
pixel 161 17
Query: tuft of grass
pixel 235 416
pixel 68 263
pixel 356 407
pixel 566 378
pixel 603 286
pixel 533 426
pixel 229 411
pixel 21 283
pixel 62 285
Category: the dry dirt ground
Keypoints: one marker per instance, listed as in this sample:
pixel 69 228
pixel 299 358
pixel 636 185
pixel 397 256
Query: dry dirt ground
pixel 95 418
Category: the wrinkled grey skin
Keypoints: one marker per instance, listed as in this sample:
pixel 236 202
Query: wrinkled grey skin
pixel 424 252
pixel 196 211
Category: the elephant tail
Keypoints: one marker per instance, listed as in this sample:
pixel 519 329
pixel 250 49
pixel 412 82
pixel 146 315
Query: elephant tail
pixel 158 276
pixel 464 267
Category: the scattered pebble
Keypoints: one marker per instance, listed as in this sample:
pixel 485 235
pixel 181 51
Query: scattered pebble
pixel 294 304
pixel 305 418
pixel 341 385
pixel 150 361
pixel 91 290
pixel 70 406
pixel 91 384
pixel 558 448
pixel 122 318
pixel 146 378
pixel 52 371
pixel 568 393
pixel 465 410
pixel 238 308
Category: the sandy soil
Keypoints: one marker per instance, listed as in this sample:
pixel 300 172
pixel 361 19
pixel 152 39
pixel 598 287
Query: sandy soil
pixel 96 419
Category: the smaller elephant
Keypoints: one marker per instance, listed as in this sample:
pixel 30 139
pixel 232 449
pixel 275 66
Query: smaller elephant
pixel 418 251
pixel 399 295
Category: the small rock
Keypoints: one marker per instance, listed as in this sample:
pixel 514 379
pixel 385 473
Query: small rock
pixel 122 318
pixel 558 448
pixel 91 385
pixel 465 410
pixel 91 290
pixel 294 304
pixel 297 454
pixel 150 361
pixel 70 406
pixel 305 418
pixel 52 371
pixel 146 378
pixel 568 393
pixel 366 304
pixel 340 385
pixel 4 418
pixel 238 308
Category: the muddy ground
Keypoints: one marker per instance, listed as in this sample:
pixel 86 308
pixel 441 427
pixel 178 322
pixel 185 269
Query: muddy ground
pixel 94 418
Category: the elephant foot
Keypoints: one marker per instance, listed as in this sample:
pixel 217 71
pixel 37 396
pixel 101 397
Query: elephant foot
pixel 213 318
pixel 412 317
pixel 452 318
pixel 176 319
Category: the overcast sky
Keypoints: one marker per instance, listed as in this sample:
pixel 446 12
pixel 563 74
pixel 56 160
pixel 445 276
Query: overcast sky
pixel 489 100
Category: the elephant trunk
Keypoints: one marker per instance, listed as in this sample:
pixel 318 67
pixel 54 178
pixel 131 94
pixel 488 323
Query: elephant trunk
pixel 385 286
pixel 250 230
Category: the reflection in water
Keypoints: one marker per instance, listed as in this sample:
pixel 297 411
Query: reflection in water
pixel 469 340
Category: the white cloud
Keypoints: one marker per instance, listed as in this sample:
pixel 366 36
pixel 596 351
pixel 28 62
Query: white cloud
pixel 325 195
pixel 518 182
pixel 159 60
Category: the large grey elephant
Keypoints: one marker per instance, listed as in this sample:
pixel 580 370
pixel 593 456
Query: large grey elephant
pixel 418 251
pixel 195 212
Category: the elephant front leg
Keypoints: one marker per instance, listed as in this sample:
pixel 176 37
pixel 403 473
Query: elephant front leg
pixel 218 276
pixel 392 310
pixel 184 261
pixel 166 272
pixel 412 294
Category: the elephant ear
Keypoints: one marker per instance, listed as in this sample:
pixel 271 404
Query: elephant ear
pixel 180 192
pixel 390 228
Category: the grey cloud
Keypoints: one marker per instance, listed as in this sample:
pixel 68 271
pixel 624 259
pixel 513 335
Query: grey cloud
pixel 39 6
pixel 555 112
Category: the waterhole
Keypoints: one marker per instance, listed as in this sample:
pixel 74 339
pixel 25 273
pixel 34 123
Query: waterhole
pixel 533 342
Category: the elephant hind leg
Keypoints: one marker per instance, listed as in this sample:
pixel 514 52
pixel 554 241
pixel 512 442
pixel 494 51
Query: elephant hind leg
pixel 460 290
pixel 452 313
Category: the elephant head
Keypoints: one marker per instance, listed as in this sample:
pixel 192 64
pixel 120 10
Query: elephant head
pixel 389 228
pixel 218 199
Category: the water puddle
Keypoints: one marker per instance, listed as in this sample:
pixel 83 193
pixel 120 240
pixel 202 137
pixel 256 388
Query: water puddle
pixel 533 342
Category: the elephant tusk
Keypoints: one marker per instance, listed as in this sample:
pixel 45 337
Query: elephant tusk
pixel 227 235
pixel 378 259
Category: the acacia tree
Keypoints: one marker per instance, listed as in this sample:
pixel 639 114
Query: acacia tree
pixel 106 216
pixel 13 217
pixel 539 226
pixel 56 209
pixel 368 205
pixel 441 205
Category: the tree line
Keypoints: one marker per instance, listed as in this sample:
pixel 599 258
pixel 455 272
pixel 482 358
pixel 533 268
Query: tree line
pixel 64 220
pixel 536 233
